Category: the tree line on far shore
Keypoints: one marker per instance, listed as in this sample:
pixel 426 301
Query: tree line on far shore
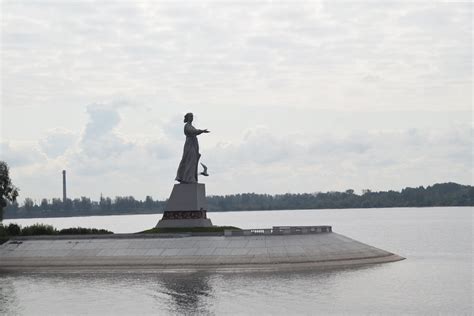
pixel 444 194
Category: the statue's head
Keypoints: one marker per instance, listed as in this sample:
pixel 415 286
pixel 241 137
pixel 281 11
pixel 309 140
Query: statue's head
pixel 188 117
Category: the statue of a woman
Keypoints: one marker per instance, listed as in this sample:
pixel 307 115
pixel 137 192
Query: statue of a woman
pixel 188 167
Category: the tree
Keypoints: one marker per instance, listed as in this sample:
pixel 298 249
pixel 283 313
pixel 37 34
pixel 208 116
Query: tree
pixel 44 205
pixel 149 203
pixel 8 192
pixel 86 203
pixel 67 205
pixel 105 204
pixel 56 204
pixel 28 205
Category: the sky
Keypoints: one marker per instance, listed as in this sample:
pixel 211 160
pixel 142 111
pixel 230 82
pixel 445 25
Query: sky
pixel 298 96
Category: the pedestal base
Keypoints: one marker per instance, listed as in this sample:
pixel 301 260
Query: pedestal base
pixel 174 223
pixel 187 197
pixel 186 207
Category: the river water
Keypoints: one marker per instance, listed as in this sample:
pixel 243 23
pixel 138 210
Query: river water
pixel 436 277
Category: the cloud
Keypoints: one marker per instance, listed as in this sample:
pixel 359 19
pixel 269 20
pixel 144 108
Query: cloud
pixel 173 127
pixel 105 151
pixel 103 119
pixel 21 154
pixel 386 159
pixel 57 141
pixel 100 138
pixel 273 54
pixel 263 159
pixel 395 70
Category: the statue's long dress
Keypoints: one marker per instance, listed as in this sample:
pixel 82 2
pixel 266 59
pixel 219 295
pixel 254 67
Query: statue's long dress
pixel 188 167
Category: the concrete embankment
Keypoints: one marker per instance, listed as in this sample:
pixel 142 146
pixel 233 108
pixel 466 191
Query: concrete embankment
pixel 181 253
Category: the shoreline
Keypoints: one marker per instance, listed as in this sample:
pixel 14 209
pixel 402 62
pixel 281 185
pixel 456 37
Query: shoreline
pixel 184 253
pixel 220 268
pixel 217 212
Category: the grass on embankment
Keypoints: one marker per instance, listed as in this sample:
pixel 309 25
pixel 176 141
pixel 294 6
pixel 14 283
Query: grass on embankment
pixel 213 229
pixel 13 230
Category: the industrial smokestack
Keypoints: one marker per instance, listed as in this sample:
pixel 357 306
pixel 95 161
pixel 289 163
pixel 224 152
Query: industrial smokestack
pixel 64 186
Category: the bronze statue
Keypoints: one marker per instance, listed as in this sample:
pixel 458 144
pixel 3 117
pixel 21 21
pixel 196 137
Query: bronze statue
pixel 188 167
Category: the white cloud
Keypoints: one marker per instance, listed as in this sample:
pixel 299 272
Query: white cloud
pixel 260 53
pixel 298 97
pixel 101 138
pixel 57 142
pixel 387 159
pixel 20 154
pixel 264 160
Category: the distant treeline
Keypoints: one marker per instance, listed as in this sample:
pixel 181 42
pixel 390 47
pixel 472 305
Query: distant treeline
pixel 83 206
pixel 444 194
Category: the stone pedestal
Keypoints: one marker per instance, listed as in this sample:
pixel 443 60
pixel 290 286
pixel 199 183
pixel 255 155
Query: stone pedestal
pixel 186 207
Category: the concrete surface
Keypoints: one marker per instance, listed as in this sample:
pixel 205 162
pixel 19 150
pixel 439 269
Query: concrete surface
pixel 190 253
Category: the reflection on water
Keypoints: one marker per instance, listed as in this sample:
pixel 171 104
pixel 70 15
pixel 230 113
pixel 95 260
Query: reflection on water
pixel 356 290
pixel 188 292
pixel 8 297
pixel 170 293
pixel 436 278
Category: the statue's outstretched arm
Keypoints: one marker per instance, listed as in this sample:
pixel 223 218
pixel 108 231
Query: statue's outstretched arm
pixel 203 131
pixel 191 130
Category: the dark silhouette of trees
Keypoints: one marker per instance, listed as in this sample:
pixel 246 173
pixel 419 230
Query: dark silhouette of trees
pixel 444 194
pixel 29 205
pixel 149 202
pixel 8 192
pixel 44 205
pixel 56 204
pixel 105 204
pixel 67 205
